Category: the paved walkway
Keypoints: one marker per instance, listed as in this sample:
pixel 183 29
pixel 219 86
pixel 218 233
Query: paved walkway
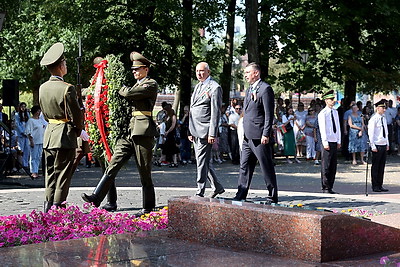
pixel 298 184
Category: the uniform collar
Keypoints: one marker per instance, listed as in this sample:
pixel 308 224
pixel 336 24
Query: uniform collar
pixel 57 77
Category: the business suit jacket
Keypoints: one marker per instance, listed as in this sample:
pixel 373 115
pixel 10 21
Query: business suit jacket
pixel 143 96
pixel 205 107
pixel 204 115
pixel 259 115
pixel 58 100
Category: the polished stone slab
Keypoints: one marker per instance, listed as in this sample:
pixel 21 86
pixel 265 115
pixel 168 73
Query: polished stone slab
pixel 153 249
pixel 310 235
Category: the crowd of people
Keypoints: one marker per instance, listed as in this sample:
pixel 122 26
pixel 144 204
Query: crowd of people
pixel 23 138
pixel 296 132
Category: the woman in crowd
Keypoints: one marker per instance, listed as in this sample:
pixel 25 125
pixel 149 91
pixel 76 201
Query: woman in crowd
pixel 21 118
pixel 186 146
pixel 357 127
pixel 289 145
pixel 35 128
pixel 300 124
pixel 309 132
pixel 170 148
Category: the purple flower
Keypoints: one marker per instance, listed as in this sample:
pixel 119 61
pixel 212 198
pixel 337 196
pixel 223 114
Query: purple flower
pixel 384 260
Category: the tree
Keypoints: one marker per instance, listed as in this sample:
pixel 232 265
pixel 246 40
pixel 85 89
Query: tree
pixel 106 27
pixel 226 77
pixel 252 31
pixel 349 42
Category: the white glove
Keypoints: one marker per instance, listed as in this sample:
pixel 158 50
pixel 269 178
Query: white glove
pixel 84 136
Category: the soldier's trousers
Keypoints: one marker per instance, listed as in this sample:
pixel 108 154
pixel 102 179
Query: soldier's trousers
pixel 141 147
pixel 58 173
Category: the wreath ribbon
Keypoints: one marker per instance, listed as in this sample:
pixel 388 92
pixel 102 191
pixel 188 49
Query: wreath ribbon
pixel 99 115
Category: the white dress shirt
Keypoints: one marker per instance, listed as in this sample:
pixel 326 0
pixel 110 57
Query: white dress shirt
pixel 326 126
pixel 375 131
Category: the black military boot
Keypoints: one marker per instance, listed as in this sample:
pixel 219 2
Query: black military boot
pixel 111 199
pixel 100 191
pixel 47 206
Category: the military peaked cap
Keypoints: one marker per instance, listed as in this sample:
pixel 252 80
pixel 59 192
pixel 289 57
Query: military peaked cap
pixel 138 60
pixel 328 95
pixel 52 55
pixel 381 103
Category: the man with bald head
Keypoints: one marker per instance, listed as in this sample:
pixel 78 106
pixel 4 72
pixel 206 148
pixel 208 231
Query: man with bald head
pixel 205 105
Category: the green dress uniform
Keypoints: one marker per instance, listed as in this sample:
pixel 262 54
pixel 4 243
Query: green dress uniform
pixel 138 142
pixel 60 107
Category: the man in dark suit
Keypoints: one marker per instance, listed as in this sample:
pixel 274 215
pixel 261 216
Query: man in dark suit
pixel 257 124
pixel 139 139
pixel 60 107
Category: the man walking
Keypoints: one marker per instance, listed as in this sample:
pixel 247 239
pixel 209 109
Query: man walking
pixel 379 142
pixel 329 127
pixel 60 107
pixel 257 124
pixel 205 105
pixel 139 139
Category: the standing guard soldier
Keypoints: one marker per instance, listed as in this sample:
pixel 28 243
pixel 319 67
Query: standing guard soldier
pixel 59 104
pixel 379 141
pixel 139 139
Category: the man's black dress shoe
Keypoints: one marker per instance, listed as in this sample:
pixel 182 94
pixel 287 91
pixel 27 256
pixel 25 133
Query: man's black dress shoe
pixel 376 190
pixel 213 195
pixel 330 191
pixel 384 189
pixel 110 207
pixel 142 212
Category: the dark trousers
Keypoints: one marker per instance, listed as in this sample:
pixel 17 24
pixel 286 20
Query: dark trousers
pixel 390 138
pixel 378 167
pixel 58 174
pixel 345 144
pixel 328 166
pixel 253 150
pixel 141 147
pixel 186 149
pixel 235 149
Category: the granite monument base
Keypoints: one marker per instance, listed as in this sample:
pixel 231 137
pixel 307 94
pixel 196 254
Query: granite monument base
pixel 310 235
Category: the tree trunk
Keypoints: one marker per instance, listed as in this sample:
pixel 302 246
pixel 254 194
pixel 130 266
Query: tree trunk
pixel 350 89
pixel 186 60
pixel 264 38
pixel 353 33
pixel 252 31
pixel 36 77
pixel 226 75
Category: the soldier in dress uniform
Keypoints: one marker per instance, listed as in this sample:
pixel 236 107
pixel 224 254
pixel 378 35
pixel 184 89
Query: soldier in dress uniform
pixel 379 141
pixel 59 104
pixel 139 139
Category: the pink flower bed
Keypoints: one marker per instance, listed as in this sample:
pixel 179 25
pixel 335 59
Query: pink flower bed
pixel 73 222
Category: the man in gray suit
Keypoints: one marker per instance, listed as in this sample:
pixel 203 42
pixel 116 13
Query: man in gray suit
pixel 257 124
pixel 204 115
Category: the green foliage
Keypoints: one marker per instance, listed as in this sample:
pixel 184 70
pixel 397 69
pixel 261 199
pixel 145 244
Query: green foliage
pixel 120 109
pixel 347 40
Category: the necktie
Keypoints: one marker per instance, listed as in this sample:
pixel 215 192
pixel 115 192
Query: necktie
pixel 333 122
pixel 383 128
